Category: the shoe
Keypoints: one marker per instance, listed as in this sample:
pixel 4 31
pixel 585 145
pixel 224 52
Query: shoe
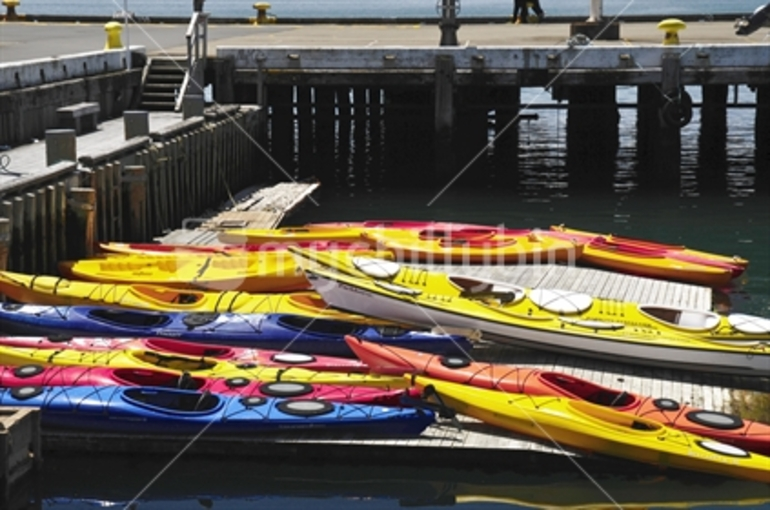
pixel 517 20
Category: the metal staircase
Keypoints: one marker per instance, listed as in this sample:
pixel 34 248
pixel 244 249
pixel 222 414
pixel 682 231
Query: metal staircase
pixel 163 82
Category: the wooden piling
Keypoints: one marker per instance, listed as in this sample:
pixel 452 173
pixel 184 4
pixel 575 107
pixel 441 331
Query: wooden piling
pixel 43 241
pixel 306 152
pixel 360 131
pixel 471 136
pixel 712 139
pixel 31 245
pixel 375 132
pixel 60 208
pixel 325 124
pixel 505 155
pixel 592 137
pixel 18 235
pixel 134 179
pixel 280 100
pixel 345 174
pixel 445 163
pixel 762 140
pixel 5 242
pixel 659 145
pixel 81 224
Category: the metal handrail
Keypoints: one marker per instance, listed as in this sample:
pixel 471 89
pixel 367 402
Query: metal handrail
pixel 197 48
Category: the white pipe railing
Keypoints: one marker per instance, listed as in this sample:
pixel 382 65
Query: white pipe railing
pixel 197 48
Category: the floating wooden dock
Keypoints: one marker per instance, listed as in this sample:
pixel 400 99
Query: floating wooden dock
pixel 264 207
pixel 465 440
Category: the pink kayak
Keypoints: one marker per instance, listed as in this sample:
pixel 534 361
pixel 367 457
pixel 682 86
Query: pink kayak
pixel 182 249
pixel 38 375
pixel 237 354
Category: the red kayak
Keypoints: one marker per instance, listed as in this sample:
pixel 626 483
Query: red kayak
pixel 748 435
pixel 38 375
pixel 640 247
pixel 259 357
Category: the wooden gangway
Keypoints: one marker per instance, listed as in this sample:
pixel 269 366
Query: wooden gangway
pixel 263 207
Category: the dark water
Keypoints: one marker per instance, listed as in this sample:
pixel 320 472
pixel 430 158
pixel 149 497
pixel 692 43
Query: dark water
pixel 71 484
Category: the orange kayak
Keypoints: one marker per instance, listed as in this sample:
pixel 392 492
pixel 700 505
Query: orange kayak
pixel 652 259
pixel 727 428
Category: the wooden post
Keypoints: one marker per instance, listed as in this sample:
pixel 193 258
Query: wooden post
pixel 44 241
pixel 31 241
pixel 82 206
pixel 762 140
pixel 307 160
pixel 445 164
pixel 712 139
pixel 17 247
pixel 5 242
pixel 592 137
pixel 61 220
pixel 134 180
pixel 325 127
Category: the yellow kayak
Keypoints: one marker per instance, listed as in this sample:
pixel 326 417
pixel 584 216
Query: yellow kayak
pixel 52 290
pixel 195 366
pixel 597 429
pixel 474 246
pixel 654 260
pixel 554 319
pixel 280 236
pixel 274 271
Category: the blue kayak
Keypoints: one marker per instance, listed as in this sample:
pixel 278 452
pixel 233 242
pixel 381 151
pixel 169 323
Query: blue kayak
pixel 155 410
pixel 263 331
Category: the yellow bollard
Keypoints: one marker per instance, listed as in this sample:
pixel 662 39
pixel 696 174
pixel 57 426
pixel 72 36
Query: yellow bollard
pixel 671 27
pixel 10 9
pixel 262 16
pixel 113 29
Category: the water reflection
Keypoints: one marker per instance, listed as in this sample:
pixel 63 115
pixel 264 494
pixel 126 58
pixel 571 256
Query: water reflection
pixel 69 484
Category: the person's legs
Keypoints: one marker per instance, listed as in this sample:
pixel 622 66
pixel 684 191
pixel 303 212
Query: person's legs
pixel 537 9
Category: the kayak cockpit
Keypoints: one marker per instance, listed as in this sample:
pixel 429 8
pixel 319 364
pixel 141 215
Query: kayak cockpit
pixel 479 288
pixel 172 401
pixel 130 318
pixel 587 390
pixel 697 320
pixel 138 377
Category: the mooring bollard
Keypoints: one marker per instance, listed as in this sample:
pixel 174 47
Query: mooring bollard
pixel 60 145
pixel 113 29
pixel 262 16
pixel 10 9
pixel 136 123
pixel 671 27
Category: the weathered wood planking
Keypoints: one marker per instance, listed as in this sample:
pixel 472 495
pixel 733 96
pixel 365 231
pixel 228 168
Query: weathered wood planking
pixel 263 208
pixel 603 284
